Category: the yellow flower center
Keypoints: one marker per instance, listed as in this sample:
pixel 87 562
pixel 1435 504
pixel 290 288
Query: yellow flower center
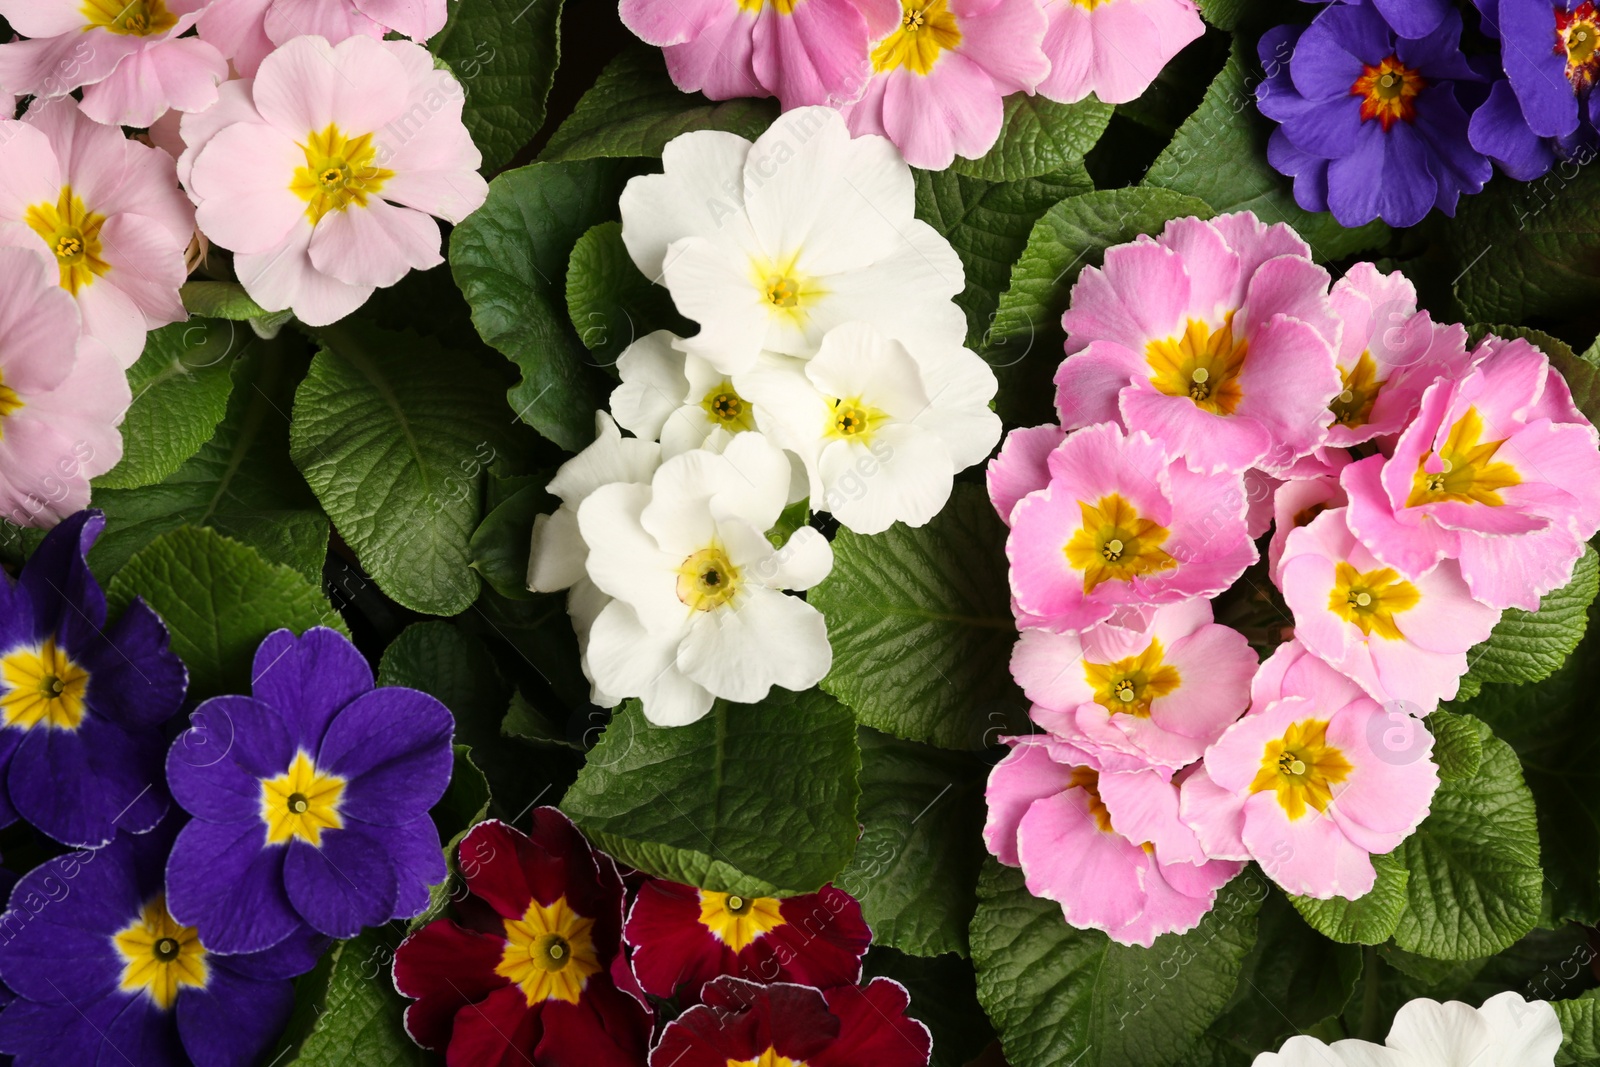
pixel 160 956
pixel 1388 92
pixel 1202 364
pixel 1088 780
pixel 1127 686
pixel 1353 406
pixel 1578 36
pixel 927 28
pixel 72 233
pixel 724 406
pixel 339 171
pixel 1469 473
pixel 786 291
pixel 1114 543
pixel 738 921
pixel 10 403
pixel 549 952
pixel 1302 767
pixel 853 419
pixel 707 579
pixel 1372 599
pixel 769 1058
pixel 44 687
pixel 136 18
pixel 301 802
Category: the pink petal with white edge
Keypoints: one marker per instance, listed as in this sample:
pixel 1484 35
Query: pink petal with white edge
pixel 376 245
pixel 1020 467
pixel 1025 775
pixel 1234 758
pixel 1215 814
pixel 953 110
pixel 417 19
pixel 1288 380
pixel 1208 442
pixel 1127 739
pixel 1298 288
pixel 1100 460
pixel 1393 780
pixel 1216 665
pixel 1216 278
pixel 1308 856
pixel 1142 293
pixel 1090 381
pixel 241 180
pixel 1144 807
pixel 1413 548
pixel 1295 504
pixel 1255 242
pixel 284 278
pixel 1505 572
pixel 662 23
pixel 308 85
pixel 1042 581
pixel 1177 897
pixel 1092 874
pixel 817 54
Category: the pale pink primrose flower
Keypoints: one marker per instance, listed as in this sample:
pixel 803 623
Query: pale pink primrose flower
pixel 129 55
pixel 1160 694
pixel 1216 338
pixel 1122 524
pixel 939 79
pixel 322 174
pixel 109 213
pixel 1113 48
pixel 1107 845
pixel 1296 502
pixel 245 31
pixel 62 396
pixel 1313 782
pixel 1498 470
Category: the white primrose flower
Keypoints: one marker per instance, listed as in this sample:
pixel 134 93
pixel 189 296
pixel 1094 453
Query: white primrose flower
pixel 770 245
pixel 1507 1031
pixel 882 427
pixel 698 610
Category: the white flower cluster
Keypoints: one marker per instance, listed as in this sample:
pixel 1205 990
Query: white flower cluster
pixel 1506 1032
pixel 829 366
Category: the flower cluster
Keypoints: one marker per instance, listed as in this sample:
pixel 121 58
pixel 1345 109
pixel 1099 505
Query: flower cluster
pixel 547 959
pixel 928 74
pixel 1216 387
pixel 1382 115
pixel 828 368
pixel 1506 1030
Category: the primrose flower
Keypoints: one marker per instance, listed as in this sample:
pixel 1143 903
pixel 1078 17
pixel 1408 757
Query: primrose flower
pixel 246 31
pixel 107 210
pixel 1107 845
pixel 1159 693
pixel 1310 784
pixel 683 937
pixel 1498 470
pixel 770 245
pixel 1122 523
pixel 1213 338
pixel 1506 1031
pixel 131 56
pixel 322 175
pixel 882 428
pixel 677 398
pixel 535 966
pixel 1296 502
pixel 111 972
pixel 1113 48
pixel 742 1022
pixel 317 814
pixel 82 704
pixel 699 611
pixel 939 79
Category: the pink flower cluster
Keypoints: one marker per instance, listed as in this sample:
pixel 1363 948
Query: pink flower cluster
pixel 1215 387
pixel 928 74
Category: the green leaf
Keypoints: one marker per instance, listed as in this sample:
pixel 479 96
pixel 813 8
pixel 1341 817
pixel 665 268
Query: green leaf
pixel 634 110
pixel 1220 156
pixel 1580 1028
pixel 1529 646
pixel 504 53
pixel 1061 996
pixel 916 865
pixel 180 392
pixel 532 725
pixel 921 627
pixel 500 545
pixel 240 483
pixel 944 998
pixel 394 436
pixel 221 300
pixel 219 599
pixel 1372 919
pixel 1582 372
pixel 1475 879
pixel 755 799
pixel 1024 343
pixel 362 1023
pixel 989 223
pixel 611 303
pixel 1457 746
pixel 1039 136
pixel 510 259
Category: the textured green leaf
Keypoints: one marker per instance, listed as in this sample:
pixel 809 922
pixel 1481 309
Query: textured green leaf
pixel 219 598
pixel 916 865
pixel 1061 996
pixel 756 799
pixel 634 110
pixel 1024 343
pixel 180 392
pixel 944 998
pixel 501 543
pixel 504 53
pixel 1580 1028
pixel 510 260
pixel 1457 745
pixel 1582 372
pixel 1474 863
pixel 1529 646
pixel 393 437
pixel 1039 136
pixel 1220 156
pixel 361 1024
pixel 1368 921
pixel 611 303
pixel 221 300
pixel 921 627
pixel 989 223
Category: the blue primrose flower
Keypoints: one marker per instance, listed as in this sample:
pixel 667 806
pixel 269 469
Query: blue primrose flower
pixel 310 799
pixel 102 973
pixel 1412 18
pixel 1370 124
pixel 81 704
pixel 1545 107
